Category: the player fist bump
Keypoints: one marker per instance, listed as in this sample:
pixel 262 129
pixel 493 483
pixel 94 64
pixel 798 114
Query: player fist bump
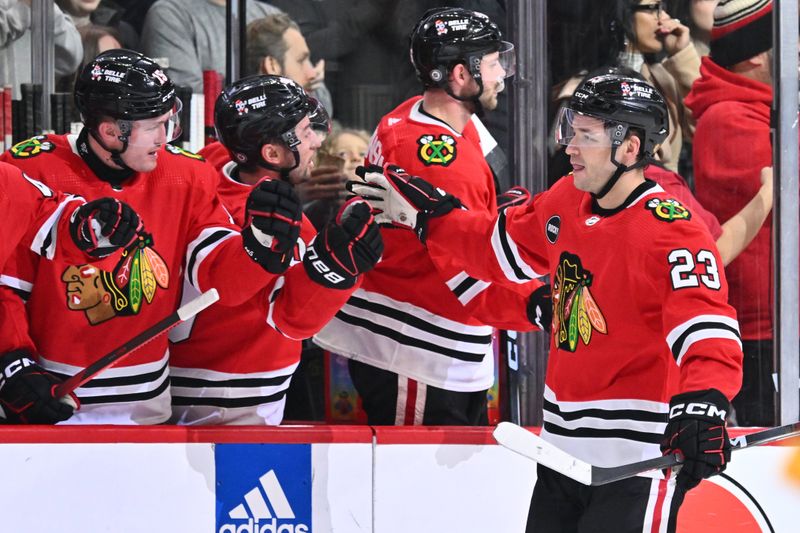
pixel 102 226
pixel 274 215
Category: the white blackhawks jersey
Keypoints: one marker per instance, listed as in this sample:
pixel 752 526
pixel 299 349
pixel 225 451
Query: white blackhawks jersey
pixel 640 310
pixel 416 314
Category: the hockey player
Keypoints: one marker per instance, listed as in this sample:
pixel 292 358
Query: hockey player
pixel 418 331
pixel 76 313
pixel 34 216
pixel 645 349
pixel 234 365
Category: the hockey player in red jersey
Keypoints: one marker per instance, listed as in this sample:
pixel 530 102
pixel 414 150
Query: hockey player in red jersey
pixel 76 313
pixel 234 365
pixel 33 217
pixel 418 331
pixel 645 350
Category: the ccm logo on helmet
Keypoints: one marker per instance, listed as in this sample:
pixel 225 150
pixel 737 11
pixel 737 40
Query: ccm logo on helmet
pixel 698 409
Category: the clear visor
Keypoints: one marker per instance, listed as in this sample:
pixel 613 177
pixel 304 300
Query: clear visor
pixel 508 59
pixel 157 130
pixel 320 120
pixel 576 129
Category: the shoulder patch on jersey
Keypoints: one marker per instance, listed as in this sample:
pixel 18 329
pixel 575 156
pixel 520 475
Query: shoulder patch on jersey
pixel 575 313
pixel 552 228
pixel 32 147
pixel 435 150
pixel 668 210
pixel 180 151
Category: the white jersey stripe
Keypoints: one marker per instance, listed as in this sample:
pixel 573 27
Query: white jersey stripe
pixel 16 283
pixel 510 263
pixel 199 249
pixel 44 242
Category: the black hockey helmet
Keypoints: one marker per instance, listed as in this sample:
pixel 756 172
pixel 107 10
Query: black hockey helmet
pixel 623 103
pixel 258 110
pixel 447 36
pixel 124 85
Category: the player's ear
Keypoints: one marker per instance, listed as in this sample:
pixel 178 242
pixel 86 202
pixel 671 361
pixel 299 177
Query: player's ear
pixel 108 130
pixel 271 154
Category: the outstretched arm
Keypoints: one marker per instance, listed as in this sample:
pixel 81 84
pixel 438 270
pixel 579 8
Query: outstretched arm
pixel 739 231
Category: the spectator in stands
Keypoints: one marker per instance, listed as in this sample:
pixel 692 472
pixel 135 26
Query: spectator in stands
pixel 731 102
pixel 101 13
pixel 632 33
pixel 95 39
pixel 276 46
pixel 699 16
pixel 190 33
pixel 15 43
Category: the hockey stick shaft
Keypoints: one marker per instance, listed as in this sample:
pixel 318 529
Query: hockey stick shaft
pixel 534 447
pixel 184 312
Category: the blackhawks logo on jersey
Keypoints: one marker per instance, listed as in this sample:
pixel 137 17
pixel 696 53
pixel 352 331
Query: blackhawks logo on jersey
pixel 668 210
pixel 575 313
pixel 180 151
pixel 102 295
pixel 32 147
pixel 437 150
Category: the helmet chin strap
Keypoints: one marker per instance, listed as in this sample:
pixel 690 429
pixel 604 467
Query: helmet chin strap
pixel 116 155
pixel 617 174
pixel 475 99
pixel 283 172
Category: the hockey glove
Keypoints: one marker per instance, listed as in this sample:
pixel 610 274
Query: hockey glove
pixel 513 197
pixel 540 308
pixel 401 199
pixel 26 392
pixel 274 216
pixel 696 429
pixel 345 248
pixel 102 226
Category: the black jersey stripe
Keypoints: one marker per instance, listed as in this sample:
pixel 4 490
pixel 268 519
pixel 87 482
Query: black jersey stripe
pixel 119 381
pixel 634 415
pixel 677 346
pixel 503 236
pixel 584 433
pixel 407 318
pixel 410 341
pixel 190 382
pixel 464 286
pixel 248 401
pixel 211 239
pixel 120 398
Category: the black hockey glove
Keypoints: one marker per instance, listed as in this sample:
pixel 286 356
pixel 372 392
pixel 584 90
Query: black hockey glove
pixel 345 248
pixel 540 308
pixel 274 216
pixel 400 199
pixel 696 429
pixel 26 392
pixel 513 197
pixel 102 226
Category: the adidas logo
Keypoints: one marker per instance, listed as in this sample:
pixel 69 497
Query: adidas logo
pixel 393 121
pixel 264 513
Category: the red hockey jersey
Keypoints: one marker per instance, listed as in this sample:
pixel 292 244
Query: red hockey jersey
pixel 34 216
pixel 79 312
pixel 234 365
pixel 640 310
pixel 417 314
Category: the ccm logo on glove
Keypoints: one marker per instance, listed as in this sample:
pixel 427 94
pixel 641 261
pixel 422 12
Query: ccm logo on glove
pixel 13 368
pixel 697 409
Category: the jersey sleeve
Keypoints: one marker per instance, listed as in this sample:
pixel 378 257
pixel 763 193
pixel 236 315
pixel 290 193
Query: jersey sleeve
pixel 507 248
pixel 700 327
pixel 215 256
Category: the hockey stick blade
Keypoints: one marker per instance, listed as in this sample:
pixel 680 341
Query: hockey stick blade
pixel 527 444
pixel 183 313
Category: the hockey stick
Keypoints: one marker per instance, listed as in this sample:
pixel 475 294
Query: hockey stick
pixel 527 444
pixel 184 312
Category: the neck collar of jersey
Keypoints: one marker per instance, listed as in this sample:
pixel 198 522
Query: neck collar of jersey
pixel 113 176
pixel 642 189
pixel 418 114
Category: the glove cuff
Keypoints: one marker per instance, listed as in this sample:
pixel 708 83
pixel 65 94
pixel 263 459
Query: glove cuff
pixel 708 404
pixel 272 262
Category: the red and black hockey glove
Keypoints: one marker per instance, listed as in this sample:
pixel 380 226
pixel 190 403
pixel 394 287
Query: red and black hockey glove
pixel 513 197
pixel 697 430
pixel 274 215
pixel 27 392
pixel 345 248
pixel 102 226
pixel 540 308
pixel 401 199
